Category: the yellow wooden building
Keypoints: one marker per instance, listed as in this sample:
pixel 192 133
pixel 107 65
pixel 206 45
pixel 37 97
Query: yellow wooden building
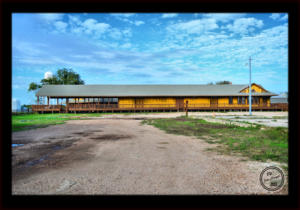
pixel 153 97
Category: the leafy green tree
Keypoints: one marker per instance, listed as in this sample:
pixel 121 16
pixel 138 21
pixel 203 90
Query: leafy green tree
pixel 224 83
pixel 50 81
pixel 62 77
pixel 33 86
pixel 68 76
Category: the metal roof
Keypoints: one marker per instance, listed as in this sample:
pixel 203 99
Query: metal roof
pixel 143 90
pixel 279 100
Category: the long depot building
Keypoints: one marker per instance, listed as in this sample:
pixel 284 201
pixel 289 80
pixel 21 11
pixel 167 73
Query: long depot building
pixel 86 98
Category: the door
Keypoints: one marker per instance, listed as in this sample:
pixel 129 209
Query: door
pixel 139 103
pixel 180 104
pixel 265 101
pixel 214 102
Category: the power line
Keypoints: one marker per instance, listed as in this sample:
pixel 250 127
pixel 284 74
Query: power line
pixel 250 89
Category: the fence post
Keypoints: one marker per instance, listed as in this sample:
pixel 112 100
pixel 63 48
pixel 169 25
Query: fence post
pixel 186 108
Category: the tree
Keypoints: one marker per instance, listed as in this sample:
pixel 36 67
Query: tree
pixel 224 83
pixel 50 81
pixel 220 83
pixel 33 86
pixel 65 76
pixel 62 77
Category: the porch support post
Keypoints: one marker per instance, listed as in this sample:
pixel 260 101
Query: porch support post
pixel 57 101
pixel 186 108
pixel 67 105
pixel 38 100
pixel 75 105
pixel 48 100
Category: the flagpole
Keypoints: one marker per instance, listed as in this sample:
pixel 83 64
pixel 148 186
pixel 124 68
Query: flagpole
pixel 250 90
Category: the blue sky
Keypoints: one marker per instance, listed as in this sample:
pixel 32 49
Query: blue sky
pixel 150 48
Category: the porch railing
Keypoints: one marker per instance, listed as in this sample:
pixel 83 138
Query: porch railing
pixel 88 107
pixel 47 107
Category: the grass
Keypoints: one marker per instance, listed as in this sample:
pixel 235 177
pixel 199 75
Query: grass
pixel 27 121
pixel 31 121
pixel 280 117
pixel 269 143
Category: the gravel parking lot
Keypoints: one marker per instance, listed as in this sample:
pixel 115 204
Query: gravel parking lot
pixel 116 154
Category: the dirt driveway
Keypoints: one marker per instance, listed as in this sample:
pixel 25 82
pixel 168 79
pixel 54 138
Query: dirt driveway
pixel 121 156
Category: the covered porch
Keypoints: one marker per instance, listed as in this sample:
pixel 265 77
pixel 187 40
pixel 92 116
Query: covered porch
pixel 111 104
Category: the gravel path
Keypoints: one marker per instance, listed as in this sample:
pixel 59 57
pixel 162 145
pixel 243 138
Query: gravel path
pixel 121 156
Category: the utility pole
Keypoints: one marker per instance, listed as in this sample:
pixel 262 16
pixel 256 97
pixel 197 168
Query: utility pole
pixel 250 90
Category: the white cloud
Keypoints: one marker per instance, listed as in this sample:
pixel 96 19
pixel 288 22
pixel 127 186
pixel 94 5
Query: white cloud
pixel 126 45
pixel 93 26
pixel 60 26
pixel 127 32
pixel 285 17
pixel 224 17
pixel 15 86
pixel 139 22
pixel 277 16
pixel 50 17
pixel 28 48
pixel 244 25
pixel 169 15
pixel 274 16
pixel 194 26
pixel 123 14
pixel 74 19
pixel 118 34
pixel 115 33
pixel 125 18
pixel 105 54
pixel 48 75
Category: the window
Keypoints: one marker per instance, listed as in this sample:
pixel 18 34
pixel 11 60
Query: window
pixel 264 100
pixel 230 99
pixel 115 100
pixel 253 91
pixel 255 100
pixel 239 100
pixel 243 100
pixel 107 100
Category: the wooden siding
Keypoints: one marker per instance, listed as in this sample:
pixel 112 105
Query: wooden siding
pixel 126 102
pixel 255 87
pixel 224 101
pixel 200 100
pixel 159 102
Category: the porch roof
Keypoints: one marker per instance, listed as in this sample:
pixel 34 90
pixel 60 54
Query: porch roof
pixel 143 90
